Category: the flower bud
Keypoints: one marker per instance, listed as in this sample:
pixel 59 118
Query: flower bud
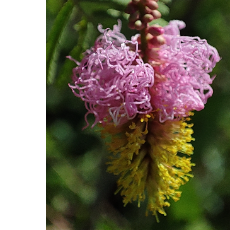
pixel 135 16
pixel 156 14
pixel 157 41
pixel 131 25
pixel 155 30
pixel 147 18
pixel 139 25
pixel 131 8
pixel 148 10
pixel 149 36
pixel 152 5
pixel 152 53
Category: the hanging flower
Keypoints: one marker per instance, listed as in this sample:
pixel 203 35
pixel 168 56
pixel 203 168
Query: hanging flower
pixel 145 149
pixel 143 108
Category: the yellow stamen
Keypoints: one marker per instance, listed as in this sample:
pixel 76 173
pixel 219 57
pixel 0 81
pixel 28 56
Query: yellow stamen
pixel 147 161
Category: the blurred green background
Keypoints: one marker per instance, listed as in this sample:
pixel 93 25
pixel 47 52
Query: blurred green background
pixel 80 193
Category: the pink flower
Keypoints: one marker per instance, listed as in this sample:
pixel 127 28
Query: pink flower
pixel 112 79
pixel 185 64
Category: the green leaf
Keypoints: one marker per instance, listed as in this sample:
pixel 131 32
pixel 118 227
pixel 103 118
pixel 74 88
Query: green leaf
pixel 166 1
pixel 92 7
pixel 189 198
pixel 163 8
pixel 53 40
pixel 122 2
pixel 159 21
pixel 86 36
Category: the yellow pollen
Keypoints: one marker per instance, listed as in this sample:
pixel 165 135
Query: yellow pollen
pixel 145 156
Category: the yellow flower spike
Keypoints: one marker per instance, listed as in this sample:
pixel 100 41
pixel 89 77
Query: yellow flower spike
pixel 147 160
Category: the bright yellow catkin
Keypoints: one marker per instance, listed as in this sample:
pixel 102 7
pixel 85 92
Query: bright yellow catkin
pixel 145 156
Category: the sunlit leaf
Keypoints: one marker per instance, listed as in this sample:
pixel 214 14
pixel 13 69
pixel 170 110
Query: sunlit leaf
pixel 163 8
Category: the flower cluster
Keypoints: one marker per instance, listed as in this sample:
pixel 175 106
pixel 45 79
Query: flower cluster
pixel 113 80
pixel 185 64
pixel 141 14
pixel 142 93
pixel 145 157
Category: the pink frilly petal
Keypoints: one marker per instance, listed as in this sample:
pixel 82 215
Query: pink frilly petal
pixel 186 64
pixel 112 79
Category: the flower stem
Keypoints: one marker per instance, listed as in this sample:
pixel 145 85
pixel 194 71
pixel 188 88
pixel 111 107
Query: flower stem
pixel 144 45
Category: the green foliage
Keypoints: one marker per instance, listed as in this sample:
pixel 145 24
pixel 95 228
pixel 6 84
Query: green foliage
pixel 86 36
pixel 54 39
pixel 80 193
